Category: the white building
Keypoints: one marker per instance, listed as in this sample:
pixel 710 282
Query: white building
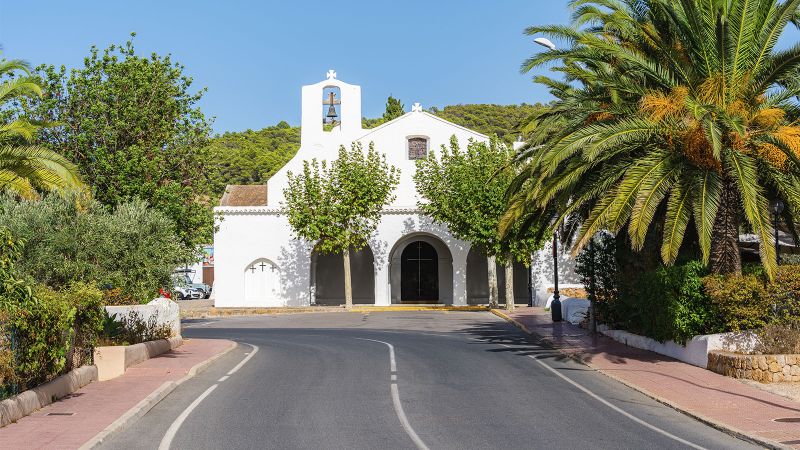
pixel 410 259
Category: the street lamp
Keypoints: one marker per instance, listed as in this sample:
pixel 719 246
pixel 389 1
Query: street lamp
pixel 555 305
pixel 544 42
pixel 777 209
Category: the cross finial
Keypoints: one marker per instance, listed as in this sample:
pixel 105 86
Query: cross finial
pixel 331 74
pixel 416 107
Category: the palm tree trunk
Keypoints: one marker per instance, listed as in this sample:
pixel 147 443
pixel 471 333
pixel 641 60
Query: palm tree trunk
pixel 725 257
pixel 348 284
pixel 510 283
pixel 492 267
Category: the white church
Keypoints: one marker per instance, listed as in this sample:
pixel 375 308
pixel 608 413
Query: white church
pixel 410 259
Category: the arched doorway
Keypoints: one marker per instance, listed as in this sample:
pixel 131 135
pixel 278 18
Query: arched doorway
pixel 420 270
pixel 419 273
pixel 262 283
pixel 327 277
pixel 478 280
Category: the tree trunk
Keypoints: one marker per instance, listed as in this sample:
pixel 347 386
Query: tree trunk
pixel 492 266
pixel 510 283
pixel 725 257
pixel 348 285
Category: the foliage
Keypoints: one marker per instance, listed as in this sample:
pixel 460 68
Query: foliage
pixel 504 121
pixel 394 109
pixel 605 273
pixel 73 239
pixel 26 168
pixel 779 338
pixel 132 329
pixel 339 206
pixel 466 191
pixel 741 301
pixel 86 300
pixel 250 157
pixel 668 304
pixel 671 113
pixel 133 128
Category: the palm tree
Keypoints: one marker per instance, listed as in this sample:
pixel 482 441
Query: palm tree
pixel 680 112
pixel 24 168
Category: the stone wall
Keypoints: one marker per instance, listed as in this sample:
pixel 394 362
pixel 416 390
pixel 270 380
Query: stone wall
pixel 763 368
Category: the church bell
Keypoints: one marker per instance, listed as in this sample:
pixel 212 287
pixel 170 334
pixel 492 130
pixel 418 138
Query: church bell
pixel 331 112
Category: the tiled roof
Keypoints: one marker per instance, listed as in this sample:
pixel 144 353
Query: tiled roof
pixel 244 195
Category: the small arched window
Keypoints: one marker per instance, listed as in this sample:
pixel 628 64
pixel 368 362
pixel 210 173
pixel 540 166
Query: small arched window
pixel 417 147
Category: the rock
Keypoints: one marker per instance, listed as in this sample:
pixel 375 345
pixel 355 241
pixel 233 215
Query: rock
pixel 781 359
pixel 762 363
pixel 774 367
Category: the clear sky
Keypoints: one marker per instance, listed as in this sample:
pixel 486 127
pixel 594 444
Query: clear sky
pixel 253 56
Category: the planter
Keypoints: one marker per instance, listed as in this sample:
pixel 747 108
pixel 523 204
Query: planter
pixel 763 368
pixel 112 361
pixel 695 352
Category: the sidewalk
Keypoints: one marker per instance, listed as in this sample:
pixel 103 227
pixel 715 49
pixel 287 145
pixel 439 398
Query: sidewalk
pixel 99 404
pixel 715 399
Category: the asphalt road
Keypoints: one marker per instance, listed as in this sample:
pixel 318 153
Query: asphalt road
pixel 462 380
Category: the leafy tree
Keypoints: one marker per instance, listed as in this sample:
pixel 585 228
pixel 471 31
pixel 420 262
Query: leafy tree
pixel 677 113
pixel 130 251
pixel 394 109
pixel 466 191
pixel 339 207
pixel 132 126
pixel 25 167
pixel 249 157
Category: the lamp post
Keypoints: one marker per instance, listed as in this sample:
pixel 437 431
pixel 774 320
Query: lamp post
pixel 777 209
pixel 555 305
pixel 530 284
pixel 592 287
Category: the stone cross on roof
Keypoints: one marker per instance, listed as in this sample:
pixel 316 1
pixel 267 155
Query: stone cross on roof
pixel 331 74
pixel 416 107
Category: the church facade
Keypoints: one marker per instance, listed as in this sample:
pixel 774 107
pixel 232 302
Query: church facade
pixel 410 259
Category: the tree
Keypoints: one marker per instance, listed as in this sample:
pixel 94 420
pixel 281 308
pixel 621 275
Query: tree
pixel 24 168
pixel 677 112
pixel 465 190
pixel 339 207
pixel 132 126
pixel 506 122
pixel 394 109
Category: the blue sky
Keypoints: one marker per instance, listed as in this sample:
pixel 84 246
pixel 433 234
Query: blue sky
pixel 254 56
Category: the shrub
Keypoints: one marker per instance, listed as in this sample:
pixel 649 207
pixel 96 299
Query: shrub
pixel 87 302
pixel 602 264
pixel 133 329
pixel 131 250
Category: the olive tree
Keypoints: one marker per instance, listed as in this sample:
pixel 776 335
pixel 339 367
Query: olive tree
pixel 338 206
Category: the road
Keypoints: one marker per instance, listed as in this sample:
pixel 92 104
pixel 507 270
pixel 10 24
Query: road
pixel 462 380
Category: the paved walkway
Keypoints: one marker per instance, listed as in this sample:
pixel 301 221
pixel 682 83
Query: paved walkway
pixel 716 399
pixel 98 404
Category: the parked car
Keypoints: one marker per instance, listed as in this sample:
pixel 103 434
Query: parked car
pixel 187 293
pixel 183 278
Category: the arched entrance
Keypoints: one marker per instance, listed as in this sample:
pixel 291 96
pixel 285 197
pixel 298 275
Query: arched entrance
pixel 327 277
pixel 421 270
pixel 419 273
pixel 478 280
pixel 262 283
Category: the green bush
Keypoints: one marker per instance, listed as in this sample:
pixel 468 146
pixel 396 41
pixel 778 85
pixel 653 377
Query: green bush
pixel 132 329
pixel 668 304
pixel 131 250
pixel 741 300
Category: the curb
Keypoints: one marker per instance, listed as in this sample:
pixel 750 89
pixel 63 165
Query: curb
pixel 727 429
pixel 150 401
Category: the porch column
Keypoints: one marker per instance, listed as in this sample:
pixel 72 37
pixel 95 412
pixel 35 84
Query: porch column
pixel 382 291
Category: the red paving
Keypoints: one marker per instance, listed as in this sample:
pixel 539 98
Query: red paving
pixel 98 404
pixel 702 393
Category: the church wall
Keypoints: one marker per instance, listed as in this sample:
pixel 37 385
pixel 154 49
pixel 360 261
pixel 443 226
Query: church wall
pixel 246 236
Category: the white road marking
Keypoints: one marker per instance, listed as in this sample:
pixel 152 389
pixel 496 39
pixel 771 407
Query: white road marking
pixel 611 405
pixel 244 361
pixel 166 441
pixel 398 407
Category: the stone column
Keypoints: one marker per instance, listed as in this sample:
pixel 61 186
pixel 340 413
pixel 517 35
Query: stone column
pixel 460 279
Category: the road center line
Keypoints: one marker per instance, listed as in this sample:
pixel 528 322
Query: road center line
pixel 398 406
pixel 166 441
pixel 611 405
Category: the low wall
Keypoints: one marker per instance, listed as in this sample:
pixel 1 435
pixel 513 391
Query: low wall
pixel 21 405
pixel 696 350
pixel 112 361
pixel 763 368
pixel 165 310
